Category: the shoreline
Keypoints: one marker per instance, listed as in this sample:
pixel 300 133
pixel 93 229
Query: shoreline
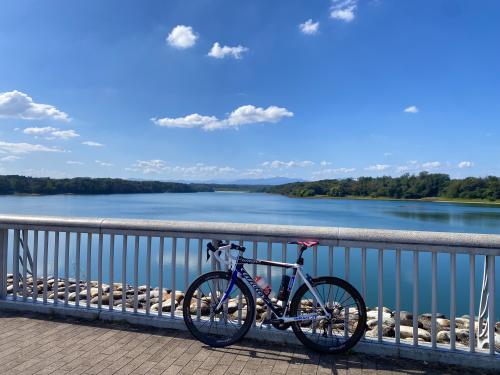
pixel 478 202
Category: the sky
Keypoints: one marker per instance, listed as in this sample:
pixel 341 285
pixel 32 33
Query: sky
pixel 231 89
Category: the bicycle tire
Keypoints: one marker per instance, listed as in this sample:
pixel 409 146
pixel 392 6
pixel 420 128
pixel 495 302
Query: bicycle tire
pixel 338 347
pixel 215 339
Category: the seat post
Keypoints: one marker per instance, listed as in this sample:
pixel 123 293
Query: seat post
pixel 300 259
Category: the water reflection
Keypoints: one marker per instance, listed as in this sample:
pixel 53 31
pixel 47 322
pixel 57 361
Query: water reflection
pixel 425 216
pixel 483 218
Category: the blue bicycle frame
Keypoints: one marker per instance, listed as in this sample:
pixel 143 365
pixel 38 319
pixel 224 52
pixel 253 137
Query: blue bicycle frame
pixel 237 267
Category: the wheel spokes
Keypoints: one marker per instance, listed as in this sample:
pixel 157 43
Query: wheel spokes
pixel 224 322
pixel 344 315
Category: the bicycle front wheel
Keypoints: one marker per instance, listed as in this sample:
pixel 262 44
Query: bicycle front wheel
pixel 221 326
pixel 348 315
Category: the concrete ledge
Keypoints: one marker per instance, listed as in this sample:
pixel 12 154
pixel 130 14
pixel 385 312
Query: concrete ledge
pixel 387 349
pixel 415 240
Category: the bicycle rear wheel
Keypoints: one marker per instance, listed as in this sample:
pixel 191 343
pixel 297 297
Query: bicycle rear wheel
pixel 229 323
pixel 343 302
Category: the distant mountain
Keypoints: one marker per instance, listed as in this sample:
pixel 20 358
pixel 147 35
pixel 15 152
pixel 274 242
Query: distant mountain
pixel 270 181
pixel 264 181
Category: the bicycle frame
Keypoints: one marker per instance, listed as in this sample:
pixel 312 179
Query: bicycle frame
pixel 238 268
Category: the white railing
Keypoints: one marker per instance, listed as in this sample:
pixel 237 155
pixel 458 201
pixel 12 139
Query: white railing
pixel 120 269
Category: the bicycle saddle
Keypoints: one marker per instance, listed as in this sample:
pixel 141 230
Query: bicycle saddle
pixel 304 243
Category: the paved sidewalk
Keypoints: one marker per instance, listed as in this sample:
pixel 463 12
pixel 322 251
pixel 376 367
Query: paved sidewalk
pixel 40 345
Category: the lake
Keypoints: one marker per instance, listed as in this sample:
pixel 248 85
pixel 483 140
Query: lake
pixel 275 209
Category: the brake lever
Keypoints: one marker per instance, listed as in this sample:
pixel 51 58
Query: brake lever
pixel 210 247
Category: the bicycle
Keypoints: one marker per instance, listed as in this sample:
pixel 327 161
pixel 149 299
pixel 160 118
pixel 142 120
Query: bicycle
pixel 327 314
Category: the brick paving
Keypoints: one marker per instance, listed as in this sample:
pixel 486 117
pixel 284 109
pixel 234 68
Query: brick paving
pixel 32 344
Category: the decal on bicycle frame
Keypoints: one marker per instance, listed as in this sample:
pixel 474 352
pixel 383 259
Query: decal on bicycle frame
pixel 305 317
pixel 257 288
pixel 290 284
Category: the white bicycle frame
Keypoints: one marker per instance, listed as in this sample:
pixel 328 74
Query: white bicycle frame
pixel 235 262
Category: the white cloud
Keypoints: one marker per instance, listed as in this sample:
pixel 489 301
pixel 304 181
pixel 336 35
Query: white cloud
pixel 92 144
pixel 54 132
pixel 103 163
pixel 10 158
pixel 309 27
pixel 254 172
pixel 247 114
pixel 39 130
pixel 413 166
pixel 201 169
pixel 378 167
pixel 219 52
pixel 157 166
pixel 190 121
pixel 325 163
pixel 17 104
pixel 344 170
pixel 25 148
pixel 343 10
pixel 277 164
pixel 73 162
pixel 182 37
pixel 149 166
pixel 411 109
pixel 465 164
pixel 333 171
pixel 431 165
pixel 65 134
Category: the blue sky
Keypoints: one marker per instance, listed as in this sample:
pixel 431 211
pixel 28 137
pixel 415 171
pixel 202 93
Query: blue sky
pixel 204 90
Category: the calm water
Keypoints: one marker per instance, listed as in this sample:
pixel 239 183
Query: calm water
pixel 274 209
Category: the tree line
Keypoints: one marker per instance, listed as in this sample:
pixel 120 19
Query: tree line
pixel 423 185
pixel 14 184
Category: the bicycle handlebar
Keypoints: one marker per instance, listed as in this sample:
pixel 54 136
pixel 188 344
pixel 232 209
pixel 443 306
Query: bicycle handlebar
pixel 224 256
pixel 225 248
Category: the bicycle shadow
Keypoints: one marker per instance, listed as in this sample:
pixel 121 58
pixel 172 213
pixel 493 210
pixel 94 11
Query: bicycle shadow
pixel 273 358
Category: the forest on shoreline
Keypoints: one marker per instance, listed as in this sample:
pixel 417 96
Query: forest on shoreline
pixel 421 186
pixel 14 184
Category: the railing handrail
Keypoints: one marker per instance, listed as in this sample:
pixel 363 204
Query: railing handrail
pixel 488 244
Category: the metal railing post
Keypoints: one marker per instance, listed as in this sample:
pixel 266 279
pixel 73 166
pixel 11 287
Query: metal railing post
pixel 3 262
pixel 491 304
pixel 483 318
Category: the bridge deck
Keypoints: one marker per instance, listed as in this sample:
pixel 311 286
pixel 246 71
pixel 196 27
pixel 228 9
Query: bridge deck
pixel 40 345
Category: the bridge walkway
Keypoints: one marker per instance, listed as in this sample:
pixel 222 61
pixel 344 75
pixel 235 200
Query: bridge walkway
pixel 31 344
